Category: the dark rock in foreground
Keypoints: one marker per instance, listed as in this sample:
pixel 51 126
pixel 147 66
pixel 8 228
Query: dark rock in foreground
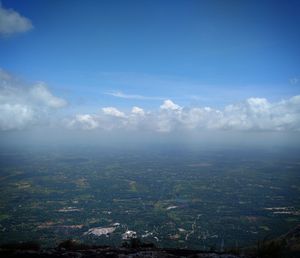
pixel 113 252
pixel 285 246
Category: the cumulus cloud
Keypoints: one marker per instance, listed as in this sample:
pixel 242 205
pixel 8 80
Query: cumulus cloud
pixel 112 111
pixel 11 22
pixel 170 105
pixel 21 105
pixel 83 121
pixel 138 111
pixel 253 114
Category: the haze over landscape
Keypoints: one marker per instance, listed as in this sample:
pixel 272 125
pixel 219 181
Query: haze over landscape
pixel 178 121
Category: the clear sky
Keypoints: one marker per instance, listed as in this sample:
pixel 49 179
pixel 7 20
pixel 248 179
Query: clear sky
pixel 95 54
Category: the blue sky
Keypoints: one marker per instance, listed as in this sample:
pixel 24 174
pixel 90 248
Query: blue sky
pixel 128 53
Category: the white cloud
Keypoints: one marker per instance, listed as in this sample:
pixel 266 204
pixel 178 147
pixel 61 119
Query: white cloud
pixel 170 105
pixel 112 111
pixel 83 121
pixel 21 105
pixel 12 22
pixel 138 111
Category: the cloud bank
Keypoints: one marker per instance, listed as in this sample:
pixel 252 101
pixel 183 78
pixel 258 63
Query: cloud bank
pixel 22 106
pixel 12 22
pixel 253 114
pixel 25 106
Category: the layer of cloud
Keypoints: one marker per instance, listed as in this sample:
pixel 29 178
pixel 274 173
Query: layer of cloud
pixel 11 22
pixel 22 106
pixel 253 114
